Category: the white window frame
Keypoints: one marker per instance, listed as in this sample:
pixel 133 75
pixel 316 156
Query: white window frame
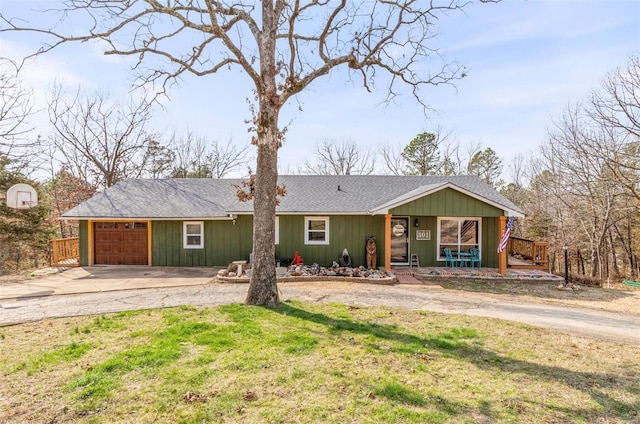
pixel 307 219
pixel 185 235
pixel 277 230
pixel 460 219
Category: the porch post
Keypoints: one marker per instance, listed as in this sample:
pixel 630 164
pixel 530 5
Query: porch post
pixel 90 244
pixel 149 251
pixel 502 256
pixel 387 241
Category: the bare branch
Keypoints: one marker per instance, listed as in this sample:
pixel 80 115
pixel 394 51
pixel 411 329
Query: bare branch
pixel 16 106
pixel 340 158
pixel 102 142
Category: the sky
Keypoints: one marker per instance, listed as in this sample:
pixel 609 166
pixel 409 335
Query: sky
pixel 526 61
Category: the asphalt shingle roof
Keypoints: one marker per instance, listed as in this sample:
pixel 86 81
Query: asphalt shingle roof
pixel 210 198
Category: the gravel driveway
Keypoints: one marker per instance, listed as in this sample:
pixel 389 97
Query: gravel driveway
pixel 609 326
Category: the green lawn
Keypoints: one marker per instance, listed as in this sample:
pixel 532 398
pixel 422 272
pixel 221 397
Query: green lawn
pixel 310 363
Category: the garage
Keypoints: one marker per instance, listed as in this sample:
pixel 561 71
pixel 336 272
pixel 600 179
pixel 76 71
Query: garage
pixel 121 243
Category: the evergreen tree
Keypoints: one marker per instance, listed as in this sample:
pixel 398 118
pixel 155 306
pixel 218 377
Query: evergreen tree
pixel 422 154
pixel 487 165
pixel 24 233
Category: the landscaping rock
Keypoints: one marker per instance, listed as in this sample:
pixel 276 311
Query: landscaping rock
pixel 345 272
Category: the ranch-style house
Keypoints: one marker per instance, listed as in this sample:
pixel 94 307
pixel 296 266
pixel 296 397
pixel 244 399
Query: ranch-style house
pixel 201 222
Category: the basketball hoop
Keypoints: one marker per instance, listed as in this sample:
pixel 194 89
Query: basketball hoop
pixel 22 196
pixel 27 204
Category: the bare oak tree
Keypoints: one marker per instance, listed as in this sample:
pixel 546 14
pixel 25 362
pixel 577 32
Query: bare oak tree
pixel 333 157
pixel 16 105
pixel 615 108
pixel 283 47
pixel 195 156
pixel 102 142
pixel 587 194
pixel 394 163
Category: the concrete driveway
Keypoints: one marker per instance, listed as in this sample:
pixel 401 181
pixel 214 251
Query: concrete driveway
pixel 114 289
pixel 98 279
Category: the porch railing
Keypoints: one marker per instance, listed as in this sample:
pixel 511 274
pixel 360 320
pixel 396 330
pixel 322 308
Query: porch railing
pixel 530 250
pixel 65 252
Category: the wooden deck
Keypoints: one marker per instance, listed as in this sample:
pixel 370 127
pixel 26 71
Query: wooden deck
pixel 527 254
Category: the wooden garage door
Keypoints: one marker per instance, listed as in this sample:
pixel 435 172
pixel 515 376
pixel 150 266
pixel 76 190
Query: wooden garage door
pixel 120 243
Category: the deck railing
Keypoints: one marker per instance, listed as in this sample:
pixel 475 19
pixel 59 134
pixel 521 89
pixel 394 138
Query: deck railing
pixel 65 252
pixel 534 251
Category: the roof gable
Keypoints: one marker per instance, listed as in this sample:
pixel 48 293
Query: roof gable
pixel 427 190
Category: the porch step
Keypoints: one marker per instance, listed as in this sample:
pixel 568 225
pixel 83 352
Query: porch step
pixel 406 278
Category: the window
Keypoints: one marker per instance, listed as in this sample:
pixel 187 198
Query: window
pixel 316 230
pixel 277 229
pixel 193 234
pixel 458 234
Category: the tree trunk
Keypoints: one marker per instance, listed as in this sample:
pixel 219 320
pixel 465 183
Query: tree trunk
pixel 595 256
pixel 614 255
pixel 633 263
pixel 263 289
pixel 581 269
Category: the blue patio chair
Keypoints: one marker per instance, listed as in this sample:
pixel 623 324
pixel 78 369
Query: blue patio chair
pixel 475 257
pixel 450 260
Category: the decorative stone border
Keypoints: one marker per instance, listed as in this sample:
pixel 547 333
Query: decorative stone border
pixel 389 280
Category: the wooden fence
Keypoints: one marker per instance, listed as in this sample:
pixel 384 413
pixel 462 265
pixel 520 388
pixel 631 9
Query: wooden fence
pixel 65 252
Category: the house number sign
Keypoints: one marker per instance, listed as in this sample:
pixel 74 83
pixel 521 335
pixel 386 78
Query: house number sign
pixel 423 234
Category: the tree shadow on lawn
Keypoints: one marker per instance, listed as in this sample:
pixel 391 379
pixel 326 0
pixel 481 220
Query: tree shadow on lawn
pixel 462 344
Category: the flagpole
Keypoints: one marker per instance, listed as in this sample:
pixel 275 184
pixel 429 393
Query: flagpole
pixel 502 256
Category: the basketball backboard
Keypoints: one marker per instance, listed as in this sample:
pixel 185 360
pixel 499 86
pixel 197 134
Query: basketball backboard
pixel 22 196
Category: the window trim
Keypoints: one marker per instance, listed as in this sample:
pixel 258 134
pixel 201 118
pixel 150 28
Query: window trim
pixel 277 230
pixel 185 245
pixel 307 219
pixel 460 219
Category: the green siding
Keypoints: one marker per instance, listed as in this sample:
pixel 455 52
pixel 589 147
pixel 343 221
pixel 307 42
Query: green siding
pixel 425 249
pixel 223 243
pixel 490 241
pixel 447 202
pixel 83 234
pixel 344 231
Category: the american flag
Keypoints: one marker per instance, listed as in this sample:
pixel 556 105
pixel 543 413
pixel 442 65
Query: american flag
pixel 505 237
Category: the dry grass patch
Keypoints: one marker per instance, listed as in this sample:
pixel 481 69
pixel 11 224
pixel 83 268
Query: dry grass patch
pixel 308 363
pixel 616 298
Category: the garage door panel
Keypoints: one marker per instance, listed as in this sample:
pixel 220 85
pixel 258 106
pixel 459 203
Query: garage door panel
pixel 118 243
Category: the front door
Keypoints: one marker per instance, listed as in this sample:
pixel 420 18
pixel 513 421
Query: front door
pixel 400 240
